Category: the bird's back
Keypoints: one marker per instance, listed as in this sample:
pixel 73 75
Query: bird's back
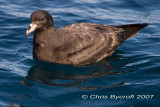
pixel 88 42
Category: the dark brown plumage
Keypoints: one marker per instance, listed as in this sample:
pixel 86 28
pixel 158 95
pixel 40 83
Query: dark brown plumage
pixel 80 43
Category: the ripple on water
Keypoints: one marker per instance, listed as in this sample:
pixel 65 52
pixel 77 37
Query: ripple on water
pixel 132 69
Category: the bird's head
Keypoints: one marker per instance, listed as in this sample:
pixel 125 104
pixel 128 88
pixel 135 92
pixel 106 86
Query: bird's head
pixel 40 20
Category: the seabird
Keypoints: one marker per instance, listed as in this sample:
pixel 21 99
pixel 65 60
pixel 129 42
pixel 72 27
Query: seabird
pixel 79 43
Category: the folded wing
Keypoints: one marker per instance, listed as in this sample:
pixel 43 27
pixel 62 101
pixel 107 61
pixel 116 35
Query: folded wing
pixel 90 42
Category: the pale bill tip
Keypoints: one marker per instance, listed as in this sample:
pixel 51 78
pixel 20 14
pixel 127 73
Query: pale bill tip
pixel 32 27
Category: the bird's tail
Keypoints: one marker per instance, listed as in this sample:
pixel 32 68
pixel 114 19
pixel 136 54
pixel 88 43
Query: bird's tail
pixel 132 29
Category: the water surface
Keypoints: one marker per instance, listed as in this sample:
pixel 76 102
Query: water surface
pixel 132 70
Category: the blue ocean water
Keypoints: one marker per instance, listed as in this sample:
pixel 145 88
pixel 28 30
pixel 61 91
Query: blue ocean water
pixel 129 78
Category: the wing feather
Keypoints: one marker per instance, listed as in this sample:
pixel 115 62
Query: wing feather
pixel 90 42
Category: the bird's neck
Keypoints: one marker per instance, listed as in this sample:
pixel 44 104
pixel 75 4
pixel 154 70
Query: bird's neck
pixel 44 34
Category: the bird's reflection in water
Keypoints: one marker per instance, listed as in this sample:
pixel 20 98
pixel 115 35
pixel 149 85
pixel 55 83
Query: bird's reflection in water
pixel 60 75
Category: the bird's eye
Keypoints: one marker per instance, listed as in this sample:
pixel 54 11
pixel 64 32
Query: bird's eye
pixel 41 19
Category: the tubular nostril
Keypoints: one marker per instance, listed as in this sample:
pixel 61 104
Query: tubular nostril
pixel 29 27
